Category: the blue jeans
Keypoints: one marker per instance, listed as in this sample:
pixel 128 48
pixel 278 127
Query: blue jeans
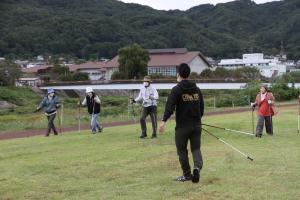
pixel 95 123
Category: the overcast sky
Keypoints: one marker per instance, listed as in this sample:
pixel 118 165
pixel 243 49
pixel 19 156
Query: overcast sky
pixel 180 4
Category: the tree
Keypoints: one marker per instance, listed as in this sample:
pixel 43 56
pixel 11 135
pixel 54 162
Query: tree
pixel 9 72
pixel 133 61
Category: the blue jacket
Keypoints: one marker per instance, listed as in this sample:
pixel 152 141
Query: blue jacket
pixel 50 106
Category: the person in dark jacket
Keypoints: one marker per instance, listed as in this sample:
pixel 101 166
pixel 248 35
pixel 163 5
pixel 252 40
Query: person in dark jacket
pixel 186 98
pixel 92 102
pixel 50 103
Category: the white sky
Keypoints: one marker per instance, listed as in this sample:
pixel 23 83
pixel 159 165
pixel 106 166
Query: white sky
pixel 181 4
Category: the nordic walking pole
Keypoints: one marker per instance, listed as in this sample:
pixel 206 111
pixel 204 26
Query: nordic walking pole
pixel 234 148
pixel 227 129
pixel 298 113
pixel 253 121
pixel 61 117
pixel 79 105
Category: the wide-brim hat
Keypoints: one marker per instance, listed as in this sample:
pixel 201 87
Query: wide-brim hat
pixel 50 90
pixel 147 79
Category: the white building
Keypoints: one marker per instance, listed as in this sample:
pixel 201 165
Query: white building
pixel 34 82
pixel 267 67
pixel 95 70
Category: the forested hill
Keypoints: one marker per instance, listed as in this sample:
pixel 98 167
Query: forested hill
pixel 87 28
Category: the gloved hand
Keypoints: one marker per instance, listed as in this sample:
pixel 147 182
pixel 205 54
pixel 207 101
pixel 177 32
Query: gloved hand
pixel 132 100
pixel 57 105
pixel 37 109
pixel 151 97
pixel 252 105
pixel 269 101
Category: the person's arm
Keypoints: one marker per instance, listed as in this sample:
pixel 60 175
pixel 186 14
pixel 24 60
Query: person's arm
pixel 201 104
pixel 57 102
pixel 169 109
pixel 97 99
pixel 271 100
pixel 154 96
pixel 42 104
pixel 140 97
pixel 84 102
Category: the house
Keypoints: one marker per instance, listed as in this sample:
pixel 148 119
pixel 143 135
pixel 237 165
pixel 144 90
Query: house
pixel 34 82
pixel 166 61
pixel 37 69
pixel 267 67
pixel 95 70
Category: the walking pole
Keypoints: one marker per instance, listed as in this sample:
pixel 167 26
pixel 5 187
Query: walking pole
pixel 234 148
pixel 79 105
pixel 298 114
pixel 61 118
pixel 253 121
pixel 227 129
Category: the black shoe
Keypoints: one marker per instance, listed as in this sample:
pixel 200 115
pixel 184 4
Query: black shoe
pixel 143 136
pixel 100 129
pixel 196 175
pixel 183 178
pixel 154 136
pixel 258 135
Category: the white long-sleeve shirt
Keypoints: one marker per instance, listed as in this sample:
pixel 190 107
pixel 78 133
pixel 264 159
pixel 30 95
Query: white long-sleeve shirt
pixel 148 95
pixel 97 100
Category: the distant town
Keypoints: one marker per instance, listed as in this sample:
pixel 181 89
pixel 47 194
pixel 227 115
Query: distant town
pixel 163 62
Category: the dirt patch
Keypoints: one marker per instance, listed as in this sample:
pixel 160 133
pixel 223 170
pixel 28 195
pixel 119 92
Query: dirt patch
pixel 6 105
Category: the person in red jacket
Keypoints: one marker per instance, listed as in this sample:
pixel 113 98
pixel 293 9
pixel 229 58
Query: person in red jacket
pixel 265 102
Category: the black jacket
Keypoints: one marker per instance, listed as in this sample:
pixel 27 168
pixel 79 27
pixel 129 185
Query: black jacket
pixel 186 98
pixel 92 106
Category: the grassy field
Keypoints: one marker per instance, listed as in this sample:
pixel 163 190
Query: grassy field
pixel 117 165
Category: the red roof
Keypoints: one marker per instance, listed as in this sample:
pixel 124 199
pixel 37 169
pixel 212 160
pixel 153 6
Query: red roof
pixel 36 69
pixel 88 65
pixel 171 59
pixel 164 59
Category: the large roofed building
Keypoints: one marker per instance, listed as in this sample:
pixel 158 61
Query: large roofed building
pixel 166 61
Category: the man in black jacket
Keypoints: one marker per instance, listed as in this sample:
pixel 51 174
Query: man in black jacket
pixel 186 98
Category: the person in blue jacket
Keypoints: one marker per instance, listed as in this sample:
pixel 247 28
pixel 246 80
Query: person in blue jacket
pixel 50 104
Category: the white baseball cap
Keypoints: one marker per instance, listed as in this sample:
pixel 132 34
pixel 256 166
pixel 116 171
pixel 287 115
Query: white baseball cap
pixel 88 89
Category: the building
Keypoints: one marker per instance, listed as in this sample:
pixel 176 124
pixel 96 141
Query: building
pixel 38 69
pixel 95 70
pixel 267 67
pixel 166 61
pixel 34 82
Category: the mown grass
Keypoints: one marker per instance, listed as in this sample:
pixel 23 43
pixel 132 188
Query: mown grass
pixel 117 165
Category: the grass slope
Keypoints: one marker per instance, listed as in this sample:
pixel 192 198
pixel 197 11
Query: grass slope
pixel 117 165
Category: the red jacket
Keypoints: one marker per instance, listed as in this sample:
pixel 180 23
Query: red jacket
pixel 265 109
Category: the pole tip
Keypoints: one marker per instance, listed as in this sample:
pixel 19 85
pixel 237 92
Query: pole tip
pixel 249 158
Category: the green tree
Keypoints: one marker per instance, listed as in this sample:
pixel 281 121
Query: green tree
pixel 133 61
pixel 9 72
pixel 61 72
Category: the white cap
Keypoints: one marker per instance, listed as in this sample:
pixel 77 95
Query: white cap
pixel 88 89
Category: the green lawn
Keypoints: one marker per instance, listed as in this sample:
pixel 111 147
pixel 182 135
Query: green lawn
pixel 117 165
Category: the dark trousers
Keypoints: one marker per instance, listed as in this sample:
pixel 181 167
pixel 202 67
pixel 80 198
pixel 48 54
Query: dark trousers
pixel 182 136
pixel 260 125
pixel 51 124
pixel 152 111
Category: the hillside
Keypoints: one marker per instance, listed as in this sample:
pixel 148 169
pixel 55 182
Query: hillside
pixel 98 28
